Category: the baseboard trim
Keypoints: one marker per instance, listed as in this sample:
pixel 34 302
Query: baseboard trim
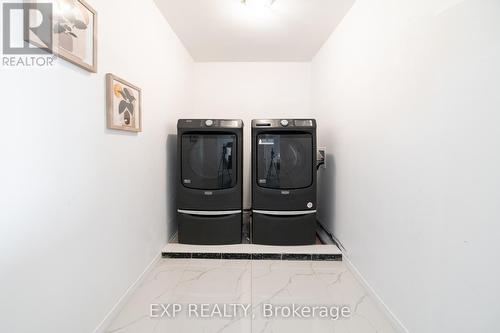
pixel 339 244
pixel 396 323
pixel 115 310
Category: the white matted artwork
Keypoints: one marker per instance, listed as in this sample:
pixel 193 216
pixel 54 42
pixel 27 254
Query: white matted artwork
pixel 123 103
pixel 75 33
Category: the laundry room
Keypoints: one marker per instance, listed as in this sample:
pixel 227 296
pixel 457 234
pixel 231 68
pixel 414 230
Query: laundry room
pixel 249 166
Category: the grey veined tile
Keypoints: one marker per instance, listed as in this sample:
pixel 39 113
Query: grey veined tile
pixel 267 288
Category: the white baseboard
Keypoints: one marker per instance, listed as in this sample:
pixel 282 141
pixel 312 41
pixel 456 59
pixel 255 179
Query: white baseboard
pixel 115 310
pixel 396 323
pixel 339 244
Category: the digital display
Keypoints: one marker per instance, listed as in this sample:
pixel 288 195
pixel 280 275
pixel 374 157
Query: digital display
pixel 228 123
pixel 304 123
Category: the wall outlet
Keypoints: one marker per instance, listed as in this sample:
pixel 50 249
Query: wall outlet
pixel 321 158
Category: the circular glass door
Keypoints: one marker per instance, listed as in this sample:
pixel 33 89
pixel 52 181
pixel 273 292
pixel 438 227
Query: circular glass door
pixel 208 161
pixel 284 161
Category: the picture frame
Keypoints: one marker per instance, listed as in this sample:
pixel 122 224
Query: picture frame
pixel 74 33
pixel 123 104
pixel 84 20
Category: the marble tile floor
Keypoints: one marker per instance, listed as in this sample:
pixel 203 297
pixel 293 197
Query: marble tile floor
pixel 254 285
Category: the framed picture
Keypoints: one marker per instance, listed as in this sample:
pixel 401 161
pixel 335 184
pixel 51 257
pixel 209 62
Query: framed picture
pixel 74 32
pixel 123 103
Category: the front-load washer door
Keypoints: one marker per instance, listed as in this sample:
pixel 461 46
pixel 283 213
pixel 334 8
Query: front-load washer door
pixel 209 161
pixel 284 161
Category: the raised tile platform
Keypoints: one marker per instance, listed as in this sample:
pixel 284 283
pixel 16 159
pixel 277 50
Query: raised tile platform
pixel 319 252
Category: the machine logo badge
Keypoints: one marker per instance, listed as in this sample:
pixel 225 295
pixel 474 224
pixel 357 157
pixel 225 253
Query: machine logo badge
pixel 309 205
pixel 209 193
pixel 187 181
pixel 285 192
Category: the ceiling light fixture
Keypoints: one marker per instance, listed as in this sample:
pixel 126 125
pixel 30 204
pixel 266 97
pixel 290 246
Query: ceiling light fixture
pixel 270 2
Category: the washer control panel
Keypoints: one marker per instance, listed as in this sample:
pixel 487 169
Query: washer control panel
pixel 210 123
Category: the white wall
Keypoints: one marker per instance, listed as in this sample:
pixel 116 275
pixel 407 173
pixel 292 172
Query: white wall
pixel 84 209
pixel 251 91
pixel 407 98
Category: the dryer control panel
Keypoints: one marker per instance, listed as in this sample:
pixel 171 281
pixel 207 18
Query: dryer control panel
pixel 284 123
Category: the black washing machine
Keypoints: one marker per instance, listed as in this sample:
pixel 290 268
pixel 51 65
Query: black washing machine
pixel 284 181
pixel 209 191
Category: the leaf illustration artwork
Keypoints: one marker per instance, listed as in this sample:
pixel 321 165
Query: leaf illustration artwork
pixel 123 104
pixel 59 28
pixel 79 24
pixel 126 105
pixel 69 16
